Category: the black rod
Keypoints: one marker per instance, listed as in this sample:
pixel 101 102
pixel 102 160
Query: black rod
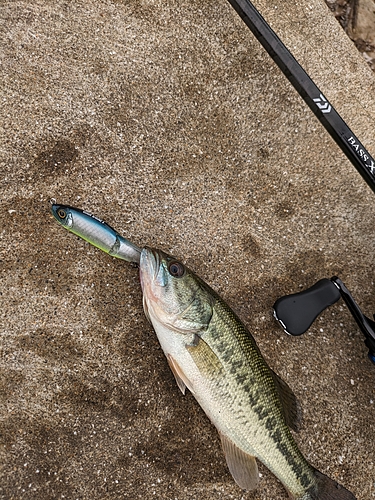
pixel 310 93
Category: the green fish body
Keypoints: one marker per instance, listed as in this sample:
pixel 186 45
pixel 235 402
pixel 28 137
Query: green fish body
pixel 212 354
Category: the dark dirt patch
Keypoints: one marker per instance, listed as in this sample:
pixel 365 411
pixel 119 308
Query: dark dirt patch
pixel 59 154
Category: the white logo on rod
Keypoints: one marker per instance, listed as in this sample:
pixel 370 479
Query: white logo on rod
pixel 323 104
pixel 362 154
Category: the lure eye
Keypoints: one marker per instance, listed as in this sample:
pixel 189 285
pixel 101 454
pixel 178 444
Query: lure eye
pixel 176 269
pixel 61 213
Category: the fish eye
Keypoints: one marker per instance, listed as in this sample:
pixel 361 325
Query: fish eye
pixel 176 269
pixel 61 213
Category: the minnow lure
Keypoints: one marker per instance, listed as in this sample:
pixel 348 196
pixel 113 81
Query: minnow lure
pixel 95 231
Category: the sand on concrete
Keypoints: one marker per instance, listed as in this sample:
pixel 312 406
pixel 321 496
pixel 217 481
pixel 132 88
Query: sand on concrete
pixel 168 120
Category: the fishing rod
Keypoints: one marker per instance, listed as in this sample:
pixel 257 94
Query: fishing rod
pixel 296 312
pixel 310 93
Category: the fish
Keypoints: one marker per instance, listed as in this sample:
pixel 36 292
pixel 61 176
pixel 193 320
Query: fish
pixel 213 355
pixel 95 231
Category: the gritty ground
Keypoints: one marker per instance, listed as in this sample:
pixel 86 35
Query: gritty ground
pixel 168 120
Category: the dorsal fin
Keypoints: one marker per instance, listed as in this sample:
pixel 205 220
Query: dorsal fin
pixel 291 407
pixel 241 465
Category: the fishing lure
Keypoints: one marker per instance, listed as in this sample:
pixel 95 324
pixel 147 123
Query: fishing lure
pixel 95 231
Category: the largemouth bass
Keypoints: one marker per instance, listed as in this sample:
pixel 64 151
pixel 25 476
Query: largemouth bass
pixel 211 353
pixel 95 231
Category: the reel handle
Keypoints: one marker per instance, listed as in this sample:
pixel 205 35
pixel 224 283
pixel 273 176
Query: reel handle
pixel 366 325
pixel 296 313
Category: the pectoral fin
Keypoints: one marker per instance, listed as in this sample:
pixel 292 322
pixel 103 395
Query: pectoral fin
pixel 242 466
pixel 205 359
pixel 145 308
pixel 179 375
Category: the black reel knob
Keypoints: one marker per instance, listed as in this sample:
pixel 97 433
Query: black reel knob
pixel 297 312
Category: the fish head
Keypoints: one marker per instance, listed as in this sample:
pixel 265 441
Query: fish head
pixel 173 296
pixel 62 214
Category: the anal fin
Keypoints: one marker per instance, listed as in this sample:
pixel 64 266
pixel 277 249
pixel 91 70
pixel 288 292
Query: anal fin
pixel 241 465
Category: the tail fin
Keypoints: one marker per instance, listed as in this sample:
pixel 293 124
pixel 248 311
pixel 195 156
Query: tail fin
pixel 327 489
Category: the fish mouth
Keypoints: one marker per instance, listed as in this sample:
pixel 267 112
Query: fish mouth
pixel 54 209
pixel 149 265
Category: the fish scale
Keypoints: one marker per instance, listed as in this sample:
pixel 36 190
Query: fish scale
pixel 248 388
pixel 212 354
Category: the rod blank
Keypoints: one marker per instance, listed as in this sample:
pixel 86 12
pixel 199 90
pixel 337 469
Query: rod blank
pixel 310 93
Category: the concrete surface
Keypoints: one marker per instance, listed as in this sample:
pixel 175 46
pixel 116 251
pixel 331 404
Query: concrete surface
pixel 168 120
